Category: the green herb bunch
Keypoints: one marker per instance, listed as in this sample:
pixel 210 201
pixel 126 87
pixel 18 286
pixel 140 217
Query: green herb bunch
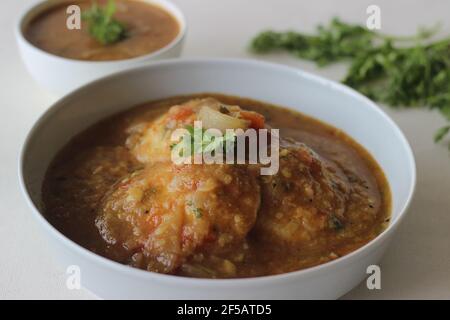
pixel 398 71
pixel 102 26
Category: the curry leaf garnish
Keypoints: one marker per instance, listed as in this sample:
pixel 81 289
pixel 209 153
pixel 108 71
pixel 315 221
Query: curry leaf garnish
pixel 102 25
pixel 398 71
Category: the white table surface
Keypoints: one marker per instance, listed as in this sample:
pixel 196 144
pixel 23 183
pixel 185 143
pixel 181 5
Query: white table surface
pixel 416 265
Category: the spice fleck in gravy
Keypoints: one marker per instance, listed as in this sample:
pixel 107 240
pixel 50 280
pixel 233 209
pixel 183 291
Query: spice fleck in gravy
pixel 112 190
pixel 148 28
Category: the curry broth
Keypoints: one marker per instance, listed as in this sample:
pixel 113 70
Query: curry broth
pixel 71 202
pixel 149 28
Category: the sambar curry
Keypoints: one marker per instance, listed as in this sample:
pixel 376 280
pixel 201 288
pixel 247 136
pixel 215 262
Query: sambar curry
pixel 148 28
pixel 114 190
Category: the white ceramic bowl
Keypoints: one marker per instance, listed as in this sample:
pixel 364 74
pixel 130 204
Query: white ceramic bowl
pixel 323 99
pixel 60 75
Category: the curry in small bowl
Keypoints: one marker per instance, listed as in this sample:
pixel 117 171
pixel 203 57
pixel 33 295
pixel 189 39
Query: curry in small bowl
pixel 109 30
pixel 115 190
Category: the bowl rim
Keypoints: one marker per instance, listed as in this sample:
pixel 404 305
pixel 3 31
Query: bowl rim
pixel 166 5
pixel 217 283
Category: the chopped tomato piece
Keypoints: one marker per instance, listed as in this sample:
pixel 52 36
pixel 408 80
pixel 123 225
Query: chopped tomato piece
pixel 257 120
pixel 181 113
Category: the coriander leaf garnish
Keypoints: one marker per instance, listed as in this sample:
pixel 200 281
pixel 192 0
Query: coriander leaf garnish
pixel 398 71
pixel 102 26
pixel 197 211
pixel 208 142
pixel 335 223
pixel 441 133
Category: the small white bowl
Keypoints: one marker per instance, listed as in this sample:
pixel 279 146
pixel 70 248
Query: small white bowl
pixel 60 75
pixel 328 101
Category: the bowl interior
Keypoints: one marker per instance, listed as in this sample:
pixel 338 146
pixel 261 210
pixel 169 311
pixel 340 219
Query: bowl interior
pixel 314 96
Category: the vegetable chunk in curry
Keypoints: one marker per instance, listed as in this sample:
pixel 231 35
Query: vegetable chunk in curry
pixel 114 190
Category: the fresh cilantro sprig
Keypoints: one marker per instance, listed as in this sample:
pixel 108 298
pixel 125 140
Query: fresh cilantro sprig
pixel 198 212
pixel 102 26
pixel 398 71
pixel 208 142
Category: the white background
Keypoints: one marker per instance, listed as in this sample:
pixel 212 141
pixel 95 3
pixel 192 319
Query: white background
pixel 417 265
